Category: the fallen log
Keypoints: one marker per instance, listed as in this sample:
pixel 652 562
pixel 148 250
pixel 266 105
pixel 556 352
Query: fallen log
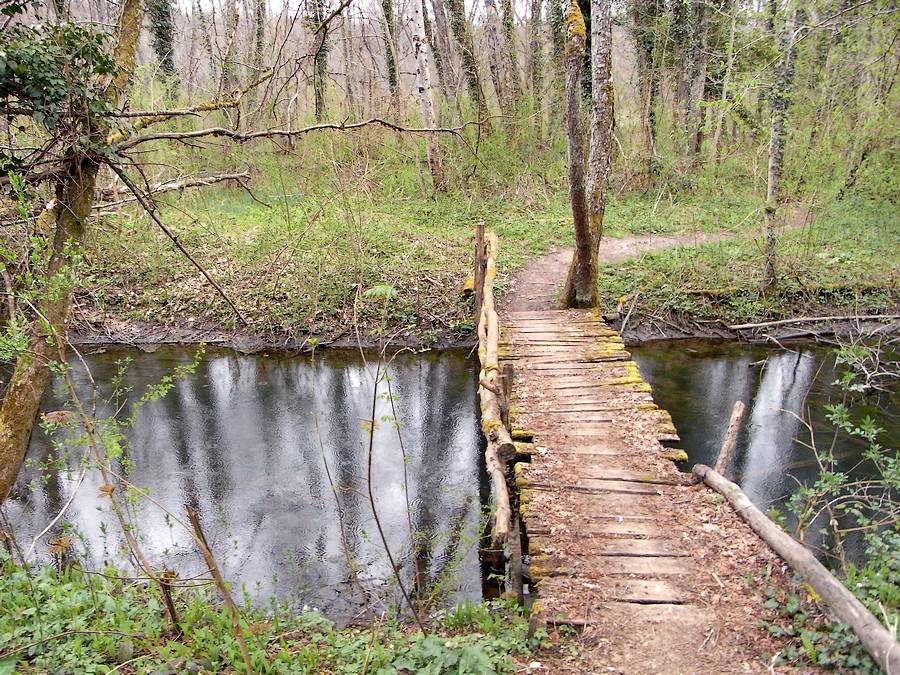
pixel 814 319
pixel 883 647
pixel 168 186
pixel 500 448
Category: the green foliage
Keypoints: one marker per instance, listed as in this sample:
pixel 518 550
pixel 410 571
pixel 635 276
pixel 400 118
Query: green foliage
pixel 53 72
pixel 74 621
pixel 845 259
pixel 849 505
pixel 812 638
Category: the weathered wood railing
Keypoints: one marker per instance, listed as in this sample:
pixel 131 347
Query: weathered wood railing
pixel 500 449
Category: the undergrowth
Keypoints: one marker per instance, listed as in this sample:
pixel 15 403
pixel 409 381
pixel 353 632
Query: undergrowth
pixel 73 621
pixel 847 259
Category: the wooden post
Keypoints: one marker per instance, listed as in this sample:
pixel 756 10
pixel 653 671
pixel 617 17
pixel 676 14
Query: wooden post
pixel 506 380
pixel 479 268
pixel 205 551
pixel 885 650
pixel 730 443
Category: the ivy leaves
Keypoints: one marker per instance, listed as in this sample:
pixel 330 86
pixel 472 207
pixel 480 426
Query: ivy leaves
pixel 55 74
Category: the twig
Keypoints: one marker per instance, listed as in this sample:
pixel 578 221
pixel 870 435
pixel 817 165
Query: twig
pixel 152 213
pixel 223 589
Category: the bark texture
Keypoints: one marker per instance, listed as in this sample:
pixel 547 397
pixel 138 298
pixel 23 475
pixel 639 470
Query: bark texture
pixel 460 27
pixel 581 285
pixel 426 97
pixel 580 291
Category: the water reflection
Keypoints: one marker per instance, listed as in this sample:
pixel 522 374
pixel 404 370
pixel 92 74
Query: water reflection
pixel 249 443
pixel 699 381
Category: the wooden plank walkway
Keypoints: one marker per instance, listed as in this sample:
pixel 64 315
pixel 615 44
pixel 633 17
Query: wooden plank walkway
pixel 598 496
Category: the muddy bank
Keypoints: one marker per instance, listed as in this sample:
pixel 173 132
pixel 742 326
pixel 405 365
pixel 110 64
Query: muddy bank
pixel 148 337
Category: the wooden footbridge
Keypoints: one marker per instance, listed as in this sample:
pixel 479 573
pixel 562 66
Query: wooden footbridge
pixel 593 512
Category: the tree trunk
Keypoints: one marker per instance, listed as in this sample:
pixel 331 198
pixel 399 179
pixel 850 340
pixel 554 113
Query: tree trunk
pixel 498 63
pixel 259 35
pixel 699 61
pixel 581 285
pixel 780 100
pixel 681 30
pixel 726 83
pixel 425 94
pixel 320 71
pixel 69 212
pixel 229 81
pixel 460 27
pixel 442 39
pixel 644 19
pixel 346 33
pixel 509 33
pixel 435 50
pixel 387 8
pixel 535 51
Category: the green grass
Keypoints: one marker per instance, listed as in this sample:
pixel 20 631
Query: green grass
pixel 72 621
pixel 847 260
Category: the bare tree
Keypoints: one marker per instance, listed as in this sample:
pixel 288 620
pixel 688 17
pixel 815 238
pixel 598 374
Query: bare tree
pixel 425 94
pixel 460 27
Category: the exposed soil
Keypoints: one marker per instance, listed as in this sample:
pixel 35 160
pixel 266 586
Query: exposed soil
pixel 539 284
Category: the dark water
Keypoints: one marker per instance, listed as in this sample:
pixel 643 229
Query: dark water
pixel 245 441
pixel 698 382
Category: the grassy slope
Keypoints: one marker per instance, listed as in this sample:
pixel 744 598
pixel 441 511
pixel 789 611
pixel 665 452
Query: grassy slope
pixel 847 261
pixel 293 267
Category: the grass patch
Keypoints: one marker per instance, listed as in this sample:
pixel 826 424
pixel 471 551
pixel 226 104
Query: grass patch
pixel 848 260
pixel 72 621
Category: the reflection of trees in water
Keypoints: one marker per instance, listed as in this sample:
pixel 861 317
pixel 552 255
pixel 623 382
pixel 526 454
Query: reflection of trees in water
pixel 774 424
pixel 238 443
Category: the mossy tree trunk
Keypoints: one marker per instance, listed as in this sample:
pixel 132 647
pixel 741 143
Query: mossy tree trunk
pixel 581 284
pixel 435 50
pixel 390 52
pixel 498 63
pixel 75 194
pixel 259 35
pixel 320 70
pixel 460 27
pixel 780 100
pixel 509 34
pixel 536 61
pixel 697 90
pixel 644 25
pixel 581 289
pixel 162 31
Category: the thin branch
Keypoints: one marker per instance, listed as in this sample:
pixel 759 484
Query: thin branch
pixel 148 207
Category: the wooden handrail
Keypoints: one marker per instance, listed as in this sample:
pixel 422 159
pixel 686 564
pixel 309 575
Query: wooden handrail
pixel 500 448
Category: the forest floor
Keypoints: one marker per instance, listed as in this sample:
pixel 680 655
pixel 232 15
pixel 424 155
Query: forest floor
pixel 299 272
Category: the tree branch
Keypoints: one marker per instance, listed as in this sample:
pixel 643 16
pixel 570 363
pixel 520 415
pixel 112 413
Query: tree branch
pixel 148 207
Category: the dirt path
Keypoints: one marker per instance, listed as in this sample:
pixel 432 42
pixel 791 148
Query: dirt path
pixel 538 285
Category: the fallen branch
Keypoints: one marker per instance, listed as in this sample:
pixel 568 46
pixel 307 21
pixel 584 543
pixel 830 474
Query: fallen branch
pixel 730 442
pixel 883 647
pixel 205 551
pixel 169 186
pixel 814 319
pixel 289 133
pixel 148 207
